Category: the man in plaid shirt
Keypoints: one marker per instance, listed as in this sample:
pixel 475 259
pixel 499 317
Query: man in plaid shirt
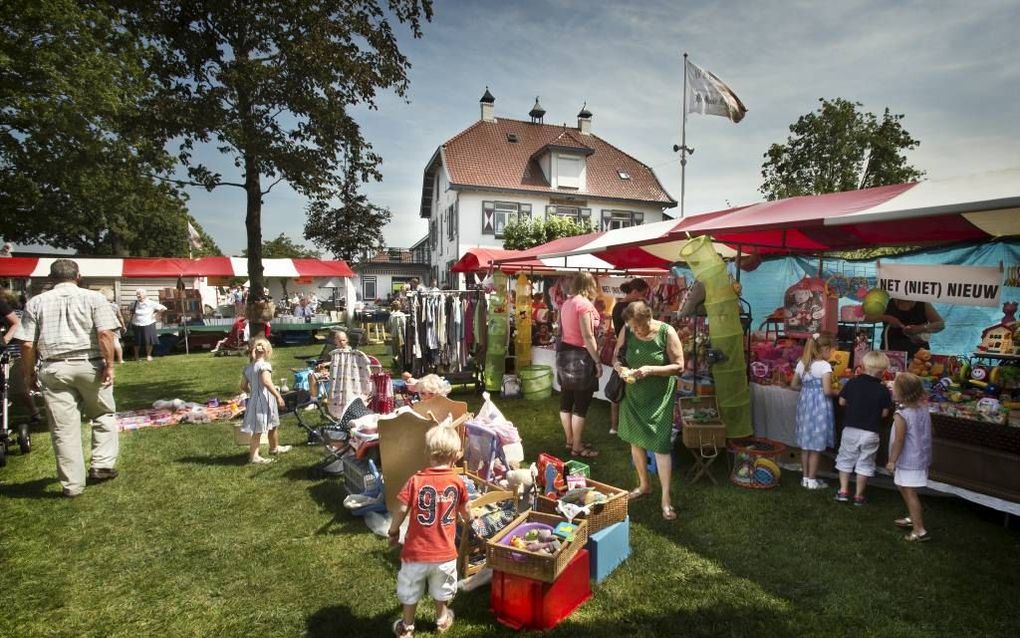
pixel 71 331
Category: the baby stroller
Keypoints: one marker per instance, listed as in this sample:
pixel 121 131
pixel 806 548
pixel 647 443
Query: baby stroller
pixel 8 439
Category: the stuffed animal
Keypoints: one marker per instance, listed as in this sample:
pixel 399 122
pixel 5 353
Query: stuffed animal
pixel 921 364
pixel 522 483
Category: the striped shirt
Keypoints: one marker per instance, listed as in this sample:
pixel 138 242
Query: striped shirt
pixel 64 323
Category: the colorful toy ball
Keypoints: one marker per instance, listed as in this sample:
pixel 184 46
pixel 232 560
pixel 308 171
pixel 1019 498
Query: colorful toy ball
pixel 875 301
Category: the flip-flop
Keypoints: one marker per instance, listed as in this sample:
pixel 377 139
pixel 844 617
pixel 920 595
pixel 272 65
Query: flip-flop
pixel 443 626
pixel 636 493
pixel 669 513
pixel 585 453
pixel 914 537
pixel 904 522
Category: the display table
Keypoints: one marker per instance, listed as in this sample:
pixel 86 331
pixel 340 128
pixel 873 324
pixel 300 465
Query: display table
pixel 774 412
pixel 546 356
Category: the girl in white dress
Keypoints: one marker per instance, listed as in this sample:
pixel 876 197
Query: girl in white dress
pixel 262 413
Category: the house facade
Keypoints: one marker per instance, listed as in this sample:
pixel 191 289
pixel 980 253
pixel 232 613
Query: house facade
pixel 383 275
pixel 499 169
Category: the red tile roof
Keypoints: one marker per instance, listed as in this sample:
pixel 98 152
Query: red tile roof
pixel 481 156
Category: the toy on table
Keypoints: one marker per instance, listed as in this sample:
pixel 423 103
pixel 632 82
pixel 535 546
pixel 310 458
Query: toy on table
pixel 538 538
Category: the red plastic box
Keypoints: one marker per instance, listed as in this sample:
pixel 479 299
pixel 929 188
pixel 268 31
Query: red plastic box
pixel 525 603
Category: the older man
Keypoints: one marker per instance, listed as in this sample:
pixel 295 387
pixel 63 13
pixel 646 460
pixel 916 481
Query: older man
pixel 71 329
pixel 143 322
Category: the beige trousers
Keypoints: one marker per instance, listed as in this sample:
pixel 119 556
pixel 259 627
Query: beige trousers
pixel 71 389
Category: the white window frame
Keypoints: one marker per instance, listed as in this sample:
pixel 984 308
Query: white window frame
pixel 502 214
pixel 366 280
pixel 613 219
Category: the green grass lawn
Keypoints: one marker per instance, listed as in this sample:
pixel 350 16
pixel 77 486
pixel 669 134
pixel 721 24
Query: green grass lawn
pixel 191 541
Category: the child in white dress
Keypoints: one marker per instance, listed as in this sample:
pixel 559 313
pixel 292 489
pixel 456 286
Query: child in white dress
pixel 262 413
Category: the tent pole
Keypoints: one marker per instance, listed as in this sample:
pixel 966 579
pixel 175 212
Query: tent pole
pixel 739 249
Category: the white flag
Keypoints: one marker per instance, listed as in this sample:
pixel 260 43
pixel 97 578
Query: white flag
pixel 708 95
pixel 194 238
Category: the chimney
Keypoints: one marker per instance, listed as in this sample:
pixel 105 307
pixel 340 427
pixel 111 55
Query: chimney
pixel 488 106
pixel 584 120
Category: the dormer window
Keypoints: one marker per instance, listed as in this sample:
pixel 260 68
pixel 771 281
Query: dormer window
pixel 511 137
pixel 568 171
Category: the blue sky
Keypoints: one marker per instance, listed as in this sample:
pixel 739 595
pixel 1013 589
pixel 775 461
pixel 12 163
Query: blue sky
pixel 948 66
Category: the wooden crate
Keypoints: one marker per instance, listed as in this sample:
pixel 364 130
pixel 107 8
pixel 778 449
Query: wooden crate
pixel 538 566
pixel 614 510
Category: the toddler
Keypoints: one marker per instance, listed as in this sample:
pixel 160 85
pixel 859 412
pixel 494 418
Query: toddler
pixel 815 419
pixel 866 402
pixel 910 451
pixel 433 497
pixel 262 413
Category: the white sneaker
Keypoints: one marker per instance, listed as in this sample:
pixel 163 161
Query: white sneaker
pixel 816 484
pixel 310 407
pixel 804 481
pixel 281 449
pixel 260 460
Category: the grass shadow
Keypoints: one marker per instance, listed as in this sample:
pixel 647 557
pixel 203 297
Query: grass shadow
pixel 339 620
pixel 30 489
pixel 226 460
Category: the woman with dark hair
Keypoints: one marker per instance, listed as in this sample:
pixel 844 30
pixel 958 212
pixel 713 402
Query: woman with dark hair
pixel 908 325
pixel 577 362
pixel 654 357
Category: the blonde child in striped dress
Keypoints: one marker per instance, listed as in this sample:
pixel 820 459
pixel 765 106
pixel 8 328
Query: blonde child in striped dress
pixel 262 413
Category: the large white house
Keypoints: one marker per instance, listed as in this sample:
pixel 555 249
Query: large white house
pixel 499 169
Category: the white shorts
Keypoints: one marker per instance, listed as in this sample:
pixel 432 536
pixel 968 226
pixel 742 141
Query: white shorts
pixel 440 577
pixel 910 478
pixel 857 452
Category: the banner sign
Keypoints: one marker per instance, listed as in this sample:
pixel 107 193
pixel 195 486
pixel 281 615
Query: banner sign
pixel 959 285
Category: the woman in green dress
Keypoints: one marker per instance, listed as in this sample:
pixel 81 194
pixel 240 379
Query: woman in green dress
pixel 654 357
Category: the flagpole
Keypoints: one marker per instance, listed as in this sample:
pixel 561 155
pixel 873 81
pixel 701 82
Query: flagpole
pixel 683 149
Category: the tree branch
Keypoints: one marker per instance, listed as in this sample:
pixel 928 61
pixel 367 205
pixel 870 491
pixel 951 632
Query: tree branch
pixel 270 187
pixel 188 182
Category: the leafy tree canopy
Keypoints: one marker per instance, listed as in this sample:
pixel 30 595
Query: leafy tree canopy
pixel 75 172
pixel 839 148
pixel 524 234
pixel 272 83
pixel 285 247
pixel 351 230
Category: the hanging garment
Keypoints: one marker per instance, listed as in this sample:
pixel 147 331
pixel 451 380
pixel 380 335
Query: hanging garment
pixel 351 375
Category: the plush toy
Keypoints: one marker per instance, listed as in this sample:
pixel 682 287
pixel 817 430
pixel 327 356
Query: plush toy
pixel 921 365
pixel 521 483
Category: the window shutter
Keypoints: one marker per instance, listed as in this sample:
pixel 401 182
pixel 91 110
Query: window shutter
pixel 488 213
pixel 639 218
pixel 585 213
pixel 525 212
pixel 606 217
pixel 550 211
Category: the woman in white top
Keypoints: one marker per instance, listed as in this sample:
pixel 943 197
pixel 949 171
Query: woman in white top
pixel 143 320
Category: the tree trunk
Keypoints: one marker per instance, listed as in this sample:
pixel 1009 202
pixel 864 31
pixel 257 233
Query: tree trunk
pixel 253 224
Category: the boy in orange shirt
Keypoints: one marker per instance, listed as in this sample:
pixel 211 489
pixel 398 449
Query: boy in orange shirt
pixel 433 497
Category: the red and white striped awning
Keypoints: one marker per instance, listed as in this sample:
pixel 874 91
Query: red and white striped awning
pixel 138 268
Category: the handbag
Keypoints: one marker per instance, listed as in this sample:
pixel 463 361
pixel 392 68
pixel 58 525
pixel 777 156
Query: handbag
pixel 575 369
pixel 615 386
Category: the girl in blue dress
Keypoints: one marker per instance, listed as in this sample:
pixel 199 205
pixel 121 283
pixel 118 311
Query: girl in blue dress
pixel 816 421
pixel 262 413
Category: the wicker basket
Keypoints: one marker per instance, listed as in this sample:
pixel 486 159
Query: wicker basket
pixel 538 566
pixel 991 435
pixel 613 510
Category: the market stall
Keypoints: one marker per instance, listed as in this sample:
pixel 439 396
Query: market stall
pixel 974 209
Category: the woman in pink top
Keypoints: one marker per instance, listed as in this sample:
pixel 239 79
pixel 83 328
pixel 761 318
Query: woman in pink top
pixel 577 362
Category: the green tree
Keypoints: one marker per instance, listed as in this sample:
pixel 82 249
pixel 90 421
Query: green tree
pixel 524 234
pixel 272 83
pixel 839 148
pixel 75 171
pixel 284 247
pixel 350 230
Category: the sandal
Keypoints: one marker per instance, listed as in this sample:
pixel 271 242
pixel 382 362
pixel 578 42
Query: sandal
pixel 401 630
pixel 260 460
pixel 442 626
pixel 904 522
pixel 585 453
pixel 669 513
pixel 914 537
pixel 637 493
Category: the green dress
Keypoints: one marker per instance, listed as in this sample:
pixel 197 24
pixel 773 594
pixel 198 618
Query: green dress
pixel 646 412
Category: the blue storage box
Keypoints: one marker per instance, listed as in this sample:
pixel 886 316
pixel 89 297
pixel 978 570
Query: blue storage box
pixel 608 548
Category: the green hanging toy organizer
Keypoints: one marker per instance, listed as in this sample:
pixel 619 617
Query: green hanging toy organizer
pixel 726 332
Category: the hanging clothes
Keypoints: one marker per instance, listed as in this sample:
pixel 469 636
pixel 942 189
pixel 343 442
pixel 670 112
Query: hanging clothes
pixel 351 377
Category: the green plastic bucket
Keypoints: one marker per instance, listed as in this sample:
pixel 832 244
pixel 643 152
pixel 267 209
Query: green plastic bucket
pixel 536 381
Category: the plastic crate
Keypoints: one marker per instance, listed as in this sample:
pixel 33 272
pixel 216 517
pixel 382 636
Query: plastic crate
pixel 608 549
pixel 526 603
pixel 358 476
pixel 576 467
